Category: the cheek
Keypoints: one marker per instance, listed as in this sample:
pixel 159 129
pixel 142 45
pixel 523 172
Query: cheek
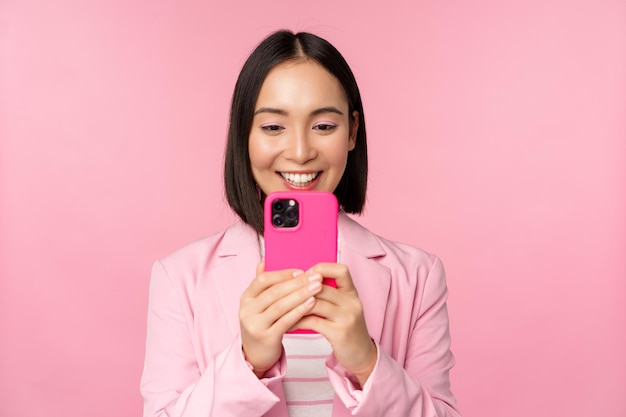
pixel 338 153
pixel 259 155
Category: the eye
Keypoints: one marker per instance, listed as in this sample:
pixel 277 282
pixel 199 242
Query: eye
pixel 272 128
pixel 324 127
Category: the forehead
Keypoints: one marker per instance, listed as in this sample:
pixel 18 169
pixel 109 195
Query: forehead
pixel 301 84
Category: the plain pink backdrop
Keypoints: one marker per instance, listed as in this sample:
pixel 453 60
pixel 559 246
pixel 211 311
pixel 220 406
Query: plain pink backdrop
pixel 497 135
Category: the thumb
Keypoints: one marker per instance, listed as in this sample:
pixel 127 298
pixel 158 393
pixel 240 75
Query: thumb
pixel 260 268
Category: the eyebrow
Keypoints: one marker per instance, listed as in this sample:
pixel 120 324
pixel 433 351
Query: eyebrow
pixel 329 109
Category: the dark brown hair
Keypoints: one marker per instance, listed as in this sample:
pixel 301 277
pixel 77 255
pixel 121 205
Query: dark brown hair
pixel 241 191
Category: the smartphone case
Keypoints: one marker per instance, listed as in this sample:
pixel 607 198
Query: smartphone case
pixel 312 240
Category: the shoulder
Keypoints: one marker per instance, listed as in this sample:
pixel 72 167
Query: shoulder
pixel 386 251
pixel 210 249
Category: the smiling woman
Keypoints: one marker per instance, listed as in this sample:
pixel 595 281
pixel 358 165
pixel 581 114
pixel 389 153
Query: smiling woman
pixel 219 321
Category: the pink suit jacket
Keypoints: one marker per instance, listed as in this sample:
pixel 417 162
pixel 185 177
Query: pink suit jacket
pixel 194 366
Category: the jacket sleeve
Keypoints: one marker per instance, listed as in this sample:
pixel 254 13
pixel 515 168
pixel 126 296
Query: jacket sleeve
pixel 419 387
pixel 173 384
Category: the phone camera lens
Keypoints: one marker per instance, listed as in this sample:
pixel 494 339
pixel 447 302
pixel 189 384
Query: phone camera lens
pixel 277 220
pixel 278 205
pixel 291 213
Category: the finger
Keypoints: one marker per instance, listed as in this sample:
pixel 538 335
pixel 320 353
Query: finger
pixel 275 302
pixel 267 279
pixel 337 306
pixel 339 272
pixel 289 321
pixel 260 268
pixel 278 308
pixel 284 297
pixel 313 322
pixel 298 281
pixel 331 295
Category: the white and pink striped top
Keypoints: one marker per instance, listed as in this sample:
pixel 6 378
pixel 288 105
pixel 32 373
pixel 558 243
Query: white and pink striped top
pixel 308 391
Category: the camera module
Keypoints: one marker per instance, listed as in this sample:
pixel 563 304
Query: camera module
pixel 285 213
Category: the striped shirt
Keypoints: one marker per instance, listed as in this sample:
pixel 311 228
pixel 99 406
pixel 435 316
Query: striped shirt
pixel 308 391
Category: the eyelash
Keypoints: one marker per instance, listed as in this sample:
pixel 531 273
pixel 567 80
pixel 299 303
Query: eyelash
pixel 325 127
pixel 321 127
pixel 272 128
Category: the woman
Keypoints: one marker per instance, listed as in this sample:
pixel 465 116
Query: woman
pixel 217 321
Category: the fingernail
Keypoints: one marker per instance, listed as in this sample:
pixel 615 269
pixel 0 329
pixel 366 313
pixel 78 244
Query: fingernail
pixel 296 274
pixel 309 302
pixel 315 277
pixel 315 286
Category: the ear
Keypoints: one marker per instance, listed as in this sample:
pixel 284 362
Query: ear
pixel 354 128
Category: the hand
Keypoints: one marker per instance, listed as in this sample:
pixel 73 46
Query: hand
pixel 339 317
pixel 270 306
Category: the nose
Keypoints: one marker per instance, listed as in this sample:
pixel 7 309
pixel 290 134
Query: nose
pixel 300 147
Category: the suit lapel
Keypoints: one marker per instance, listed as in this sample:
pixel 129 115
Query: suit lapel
pixel 360 250
pixel 239 255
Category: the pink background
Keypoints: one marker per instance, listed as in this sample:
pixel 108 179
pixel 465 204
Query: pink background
pixel 497 132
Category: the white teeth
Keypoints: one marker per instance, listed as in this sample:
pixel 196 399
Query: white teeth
pixel 299 180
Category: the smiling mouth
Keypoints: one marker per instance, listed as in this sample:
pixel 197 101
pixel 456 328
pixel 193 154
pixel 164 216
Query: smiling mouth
pixel 299 180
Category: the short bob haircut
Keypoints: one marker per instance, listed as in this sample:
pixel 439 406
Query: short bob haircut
pixel 242 193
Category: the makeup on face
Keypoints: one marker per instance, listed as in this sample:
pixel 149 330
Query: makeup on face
pixel 300 135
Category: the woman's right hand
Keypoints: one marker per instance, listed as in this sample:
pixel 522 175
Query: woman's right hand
pixel 273 303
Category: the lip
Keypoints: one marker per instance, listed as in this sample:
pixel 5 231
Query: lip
pixel 310 186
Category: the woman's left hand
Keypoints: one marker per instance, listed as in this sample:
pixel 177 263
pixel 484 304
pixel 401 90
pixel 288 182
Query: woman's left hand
pixel 339 318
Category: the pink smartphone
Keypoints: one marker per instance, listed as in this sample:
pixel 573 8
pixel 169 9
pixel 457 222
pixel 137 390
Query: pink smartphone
pixel 300 230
